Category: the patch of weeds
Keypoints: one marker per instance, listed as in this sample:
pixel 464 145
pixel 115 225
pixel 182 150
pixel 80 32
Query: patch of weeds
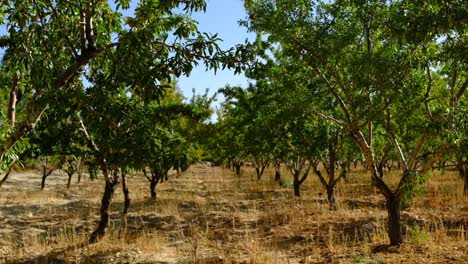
pixel 417 235
pixel 358 259
pixel 377 260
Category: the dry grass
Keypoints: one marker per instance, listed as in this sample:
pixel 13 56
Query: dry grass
pixel 210 216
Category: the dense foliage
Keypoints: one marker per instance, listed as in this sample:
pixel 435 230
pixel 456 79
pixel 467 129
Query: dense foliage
pixel 332 83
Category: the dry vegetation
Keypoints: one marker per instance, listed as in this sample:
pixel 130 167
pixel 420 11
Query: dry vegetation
pixel 208 215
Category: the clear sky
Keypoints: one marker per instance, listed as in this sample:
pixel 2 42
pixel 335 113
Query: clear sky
pixel 221 17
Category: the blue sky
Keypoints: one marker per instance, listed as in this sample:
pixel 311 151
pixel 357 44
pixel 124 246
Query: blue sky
pixel 221 17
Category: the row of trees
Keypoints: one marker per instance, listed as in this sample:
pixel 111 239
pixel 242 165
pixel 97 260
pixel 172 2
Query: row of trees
pixel 333 82
pixel 380 81
pixel 82 81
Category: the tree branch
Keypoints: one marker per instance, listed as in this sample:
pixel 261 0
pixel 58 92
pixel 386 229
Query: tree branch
pixel 319 174
pixel 13 101
pixel 462 90
pixel 428 90
pixel 63 28
pixel 412 161
pixel 394 140
pixel 331 118
pixel 102 161
pixel 7 174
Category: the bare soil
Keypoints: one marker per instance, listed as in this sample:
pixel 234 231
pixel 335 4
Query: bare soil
pixel 208 215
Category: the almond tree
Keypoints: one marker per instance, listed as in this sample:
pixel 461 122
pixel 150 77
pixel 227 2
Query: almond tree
pixel 56 47
pixel 379 62
pixel 52 45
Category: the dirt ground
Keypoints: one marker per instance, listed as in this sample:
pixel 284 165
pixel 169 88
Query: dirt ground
pixel 207 215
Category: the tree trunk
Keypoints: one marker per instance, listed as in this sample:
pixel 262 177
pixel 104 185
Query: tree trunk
pixel 7 174
pixel 79 170
pixel 45 174
pixel 153 184
pixel 344 170
pixel 463 172
pixel 330 185
pixel 79 177
pixel 278 178
pixel 380 168
pixel 44 177
pixel 394 221
pixel 237 168
pixel 126 194
pixel 105 206
pixel 331 196
pixel 278 173
pixel 13 101
pixel 297 185
pixel 69 180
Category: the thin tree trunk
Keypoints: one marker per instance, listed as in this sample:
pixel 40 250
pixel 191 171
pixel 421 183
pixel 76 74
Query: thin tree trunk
pixel 278 178
pixel 237 168
pixel 345 167
pixel 463 170
pixel 46 174
pixel 105 206
pixel 260 165
pixel 161 180
pixel 126 201
pixel 13 101
pixel 69 180
pixel 297 185
pixel 153 189
pixel 109 188
pixel 259 171
pixel 278 173
pixel 330 185
pixel 79 170
pixel 331 196
pixel 79 177
pixel 44 177
pixel 394 221
pixel 380 168
pixel 126 193
pixel 43 181
pixel 7 174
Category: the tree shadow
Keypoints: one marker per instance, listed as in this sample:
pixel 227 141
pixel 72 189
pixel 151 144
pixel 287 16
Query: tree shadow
pixel 56 256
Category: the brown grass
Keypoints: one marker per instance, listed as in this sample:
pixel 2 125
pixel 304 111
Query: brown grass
pixel 210 216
